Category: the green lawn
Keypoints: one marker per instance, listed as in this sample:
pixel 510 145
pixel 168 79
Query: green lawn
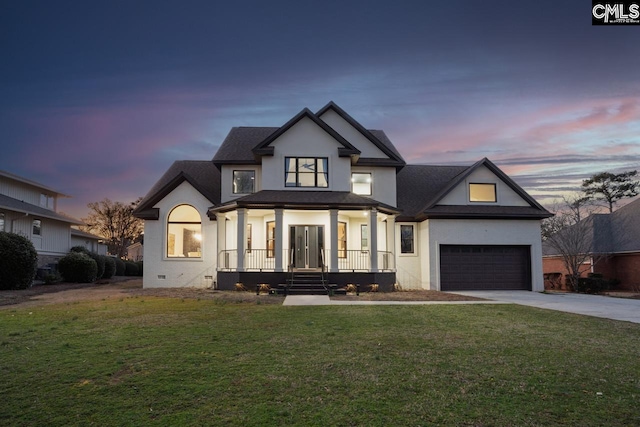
pixel 145 361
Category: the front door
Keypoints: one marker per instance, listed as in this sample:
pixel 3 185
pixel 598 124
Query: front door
pixel 306 244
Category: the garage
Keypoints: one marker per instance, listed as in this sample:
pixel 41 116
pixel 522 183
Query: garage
pixel 484 268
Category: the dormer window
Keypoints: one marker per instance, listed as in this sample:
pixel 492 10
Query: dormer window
pixel 244 182
pixel 483 193
pixel 361 183
pixel 306 172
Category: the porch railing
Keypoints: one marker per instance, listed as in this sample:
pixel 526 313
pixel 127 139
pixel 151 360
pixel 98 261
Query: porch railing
pixel 263 260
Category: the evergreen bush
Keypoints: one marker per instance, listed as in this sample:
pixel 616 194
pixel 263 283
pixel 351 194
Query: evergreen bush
pixel 78 267
pixel 18 261
pixel 119 267
pixel 130 268
pixel 109 267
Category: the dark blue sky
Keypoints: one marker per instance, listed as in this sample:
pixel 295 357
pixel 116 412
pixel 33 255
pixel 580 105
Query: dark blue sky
pixel 98 99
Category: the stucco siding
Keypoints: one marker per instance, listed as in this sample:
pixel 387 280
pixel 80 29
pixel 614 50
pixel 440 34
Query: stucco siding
pixel 306 139
pixel 409 265
pixel 161 271
pixel 483 232
pixel 351 134
pixel 383 184
pixel 505 195
pixel 226 180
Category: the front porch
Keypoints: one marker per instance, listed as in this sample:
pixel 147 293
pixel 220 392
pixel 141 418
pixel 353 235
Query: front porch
pixel 260 245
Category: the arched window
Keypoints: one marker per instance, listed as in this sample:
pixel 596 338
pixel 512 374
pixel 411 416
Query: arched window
pixel 184 233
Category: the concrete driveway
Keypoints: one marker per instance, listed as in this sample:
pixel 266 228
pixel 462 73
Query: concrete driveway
pixel 589 305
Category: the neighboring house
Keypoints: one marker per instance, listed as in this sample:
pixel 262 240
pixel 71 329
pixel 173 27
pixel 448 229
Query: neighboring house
pixel 614 242
pixel 90 241
pixel 135 251
pixel 30 209
pixel 323 192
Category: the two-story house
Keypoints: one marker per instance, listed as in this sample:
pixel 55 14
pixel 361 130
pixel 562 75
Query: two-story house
pixel 324 193
pixel 31 209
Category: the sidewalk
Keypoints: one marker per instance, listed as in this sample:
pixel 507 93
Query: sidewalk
pixel 325 300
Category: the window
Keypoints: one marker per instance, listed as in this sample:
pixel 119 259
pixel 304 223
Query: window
pixel 1 221
pixel 271 239
pixel 244 182
pixel 361 183
pixel 406 239
pixel 37 227
pixel 364 238
pixel 184 238
pixel 46 201
pixel 306 172
pixel 482 193
pixel 248 238
pixel 342 240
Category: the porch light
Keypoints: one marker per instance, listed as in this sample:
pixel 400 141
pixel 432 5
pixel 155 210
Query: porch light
pixel 198 237
pixel 365 213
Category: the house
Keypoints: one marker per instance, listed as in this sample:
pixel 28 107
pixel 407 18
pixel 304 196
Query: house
pixel 135 251
pixel 30 209
pixel 90 241
pixel 322 193
pixel 613 240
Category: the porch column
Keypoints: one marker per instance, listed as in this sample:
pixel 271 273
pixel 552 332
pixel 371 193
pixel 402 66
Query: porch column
pixel 391 241
pixel 333 229
pixel 279 249
pixel 221 220
pixel 373 239
pixel 240 244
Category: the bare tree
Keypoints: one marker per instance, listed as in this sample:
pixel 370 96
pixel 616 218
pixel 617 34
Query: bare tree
pixel 115 222
pixel 570 235
pixel 611 187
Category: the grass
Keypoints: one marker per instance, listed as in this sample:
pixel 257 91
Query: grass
pixel 163 361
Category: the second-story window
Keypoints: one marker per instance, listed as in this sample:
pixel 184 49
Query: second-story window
pixel 46 201
pixel 244 182
pixel 306 172
pixel 361 183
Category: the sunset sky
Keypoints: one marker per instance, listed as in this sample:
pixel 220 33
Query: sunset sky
pixel 97 99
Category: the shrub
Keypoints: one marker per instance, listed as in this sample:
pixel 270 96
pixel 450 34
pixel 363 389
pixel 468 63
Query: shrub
pixel 593 284
pixel 100 260
pixel 119 267
pixel 18 261
pixel 140 267
pixel 109 267
pixel 78 267
pixel 80 249
pixel 130 268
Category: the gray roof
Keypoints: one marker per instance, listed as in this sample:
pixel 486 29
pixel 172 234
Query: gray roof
pixel 610 233
pixel 201 174
pixel 384 139
pixel 315 199
pixel 237 146
pixel 11 204
pixel 418 185
pixel 80 233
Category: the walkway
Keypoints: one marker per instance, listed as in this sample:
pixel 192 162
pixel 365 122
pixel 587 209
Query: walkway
pixel 589 305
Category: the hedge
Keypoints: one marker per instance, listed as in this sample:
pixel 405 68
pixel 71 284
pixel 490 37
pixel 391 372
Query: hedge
pixel 78 267
pixel 109 267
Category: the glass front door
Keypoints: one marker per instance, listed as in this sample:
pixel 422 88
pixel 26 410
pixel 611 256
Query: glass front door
pixel 306 244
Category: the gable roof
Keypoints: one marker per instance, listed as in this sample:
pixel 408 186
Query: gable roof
pixel 80 233
pixel 11 204
pixel 265 149
pixel 377 137
pixel 202 175
pixel 421 187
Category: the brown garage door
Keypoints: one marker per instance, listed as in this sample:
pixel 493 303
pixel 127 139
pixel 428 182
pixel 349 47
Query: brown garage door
pixel 466 268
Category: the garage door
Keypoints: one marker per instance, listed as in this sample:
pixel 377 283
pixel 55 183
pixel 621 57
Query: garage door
pixel 466 268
